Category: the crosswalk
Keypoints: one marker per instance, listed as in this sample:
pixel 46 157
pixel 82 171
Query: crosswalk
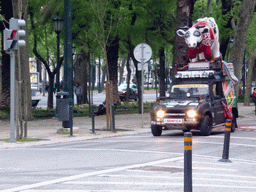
pixel 208 174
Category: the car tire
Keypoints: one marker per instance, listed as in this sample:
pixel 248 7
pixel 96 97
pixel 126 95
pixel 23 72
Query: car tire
pixel 156 130
pixel 206 126
pixel 136 98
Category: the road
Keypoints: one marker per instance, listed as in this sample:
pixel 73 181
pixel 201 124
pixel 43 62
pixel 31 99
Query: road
pixel 98 98
pixel 138 163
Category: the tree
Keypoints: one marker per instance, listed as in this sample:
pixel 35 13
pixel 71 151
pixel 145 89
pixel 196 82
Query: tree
pixel 184 18
pixel 241 25
pixel 227 28
pixel 251 50
pixel 41 47
pixel 6 13
pixel 107 20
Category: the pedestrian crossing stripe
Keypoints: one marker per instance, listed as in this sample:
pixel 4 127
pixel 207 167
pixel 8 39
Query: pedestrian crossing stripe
pixel 240 128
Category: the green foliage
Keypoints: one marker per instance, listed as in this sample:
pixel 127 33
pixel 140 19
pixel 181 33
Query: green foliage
pixel 4 114
pixel 241 99
pixel 251 38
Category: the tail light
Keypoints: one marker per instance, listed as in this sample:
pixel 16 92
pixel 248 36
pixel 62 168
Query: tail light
pixel 123 93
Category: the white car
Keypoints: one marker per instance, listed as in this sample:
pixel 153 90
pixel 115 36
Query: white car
pixel 131 85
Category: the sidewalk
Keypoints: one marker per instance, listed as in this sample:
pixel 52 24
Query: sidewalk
pixel 46 130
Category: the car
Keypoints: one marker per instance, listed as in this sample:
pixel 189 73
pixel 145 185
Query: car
pixel 193 103
pixel 131 85
pixel 133 95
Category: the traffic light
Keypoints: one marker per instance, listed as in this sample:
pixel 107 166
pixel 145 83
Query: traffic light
pixel 12 39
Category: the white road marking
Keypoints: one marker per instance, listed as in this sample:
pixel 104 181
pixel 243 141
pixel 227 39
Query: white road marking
pixel 200 168
pixel 209 163
pixel 151 183
pixel 70 190
pixel 233 137
pixel 194 178
pixel 248 127
pixel 65 179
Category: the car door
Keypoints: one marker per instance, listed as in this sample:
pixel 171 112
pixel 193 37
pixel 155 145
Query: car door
pixel 217 107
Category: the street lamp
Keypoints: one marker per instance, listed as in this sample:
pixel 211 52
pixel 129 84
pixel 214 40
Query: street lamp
pixel 57 26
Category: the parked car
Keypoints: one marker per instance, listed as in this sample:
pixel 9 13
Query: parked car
pixel 133 95
pixel 131 85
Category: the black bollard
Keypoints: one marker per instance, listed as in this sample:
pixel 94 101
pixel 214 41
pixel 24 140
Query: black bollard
pixel 113 117
pixel 225 154
pixel 93 124
pixel 187 162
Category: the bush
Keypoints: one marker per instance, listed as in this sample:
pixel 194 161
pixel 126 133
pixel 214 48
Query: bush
pixel 4 114
pixel 83 110
pixel 241 99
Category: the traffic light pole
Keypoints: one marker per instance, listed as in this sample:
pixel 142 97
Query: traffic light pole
pixel 12 42
pixel 13 108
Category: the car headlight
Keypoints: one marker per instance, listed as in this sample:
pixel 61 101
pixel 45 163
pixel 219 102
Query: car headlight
pixel 160 113
pixel 191 113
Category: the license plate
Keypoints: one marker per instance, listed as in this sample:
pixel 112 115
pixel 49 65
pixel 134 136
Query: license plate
pixel 178 121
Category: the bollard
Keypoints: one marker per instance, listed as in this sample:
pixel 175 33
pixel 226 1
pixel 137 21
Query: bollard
pixel 225 154
pixel 93 124
pixel 113 117
pixel 187 162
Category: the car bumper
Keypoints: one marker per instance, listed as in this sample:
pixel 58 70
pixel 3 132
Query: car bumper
pixel 181 124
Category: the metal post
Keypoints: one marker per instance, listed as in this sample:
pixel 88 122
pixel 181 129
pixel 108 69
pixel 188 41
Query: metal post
pixel 93 122
pixel 68 78
pixel 243 74
pixel 99 88
pixel 225 154
pixel 13 108
pixel 58 59
pixel 113 117
pixel 187 162
pixel 142 85
pixel 58 72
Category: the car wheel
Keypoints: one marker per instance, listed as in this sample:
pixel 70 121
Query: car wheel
pixel 206 126
pixel 156 130
pixel 135 98
pixel 233 125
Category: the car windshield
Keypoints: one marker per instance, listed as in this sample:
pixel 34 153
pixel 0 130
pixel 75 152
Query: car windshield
pixel 188 90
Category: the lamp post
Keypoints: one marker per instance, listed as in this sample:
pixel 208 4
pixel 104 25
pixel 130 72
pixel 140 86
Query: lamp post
pixel 57 26
pixel 99 88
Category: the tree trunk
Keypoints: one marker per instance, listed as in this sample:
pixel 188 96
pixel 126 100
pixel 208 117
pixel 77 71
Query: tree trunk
pixel 184 12
pixel 112 55
pixel 24 109
pixel 6 10
pixel 241 31
pixel 81 74
pixel 50 91
pixel 226 9
pixel 162 72
pixel 252 61
pixel 128 77
pixel 121 71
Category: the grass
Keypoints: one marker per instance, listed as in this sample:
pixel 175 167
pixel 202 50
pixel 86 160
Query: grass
pixel 65 132
pixel 24 139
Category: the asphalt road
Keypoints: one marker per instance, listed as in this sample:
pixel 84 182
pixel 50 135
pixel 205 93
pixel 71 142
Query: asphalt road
pixel 138 163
